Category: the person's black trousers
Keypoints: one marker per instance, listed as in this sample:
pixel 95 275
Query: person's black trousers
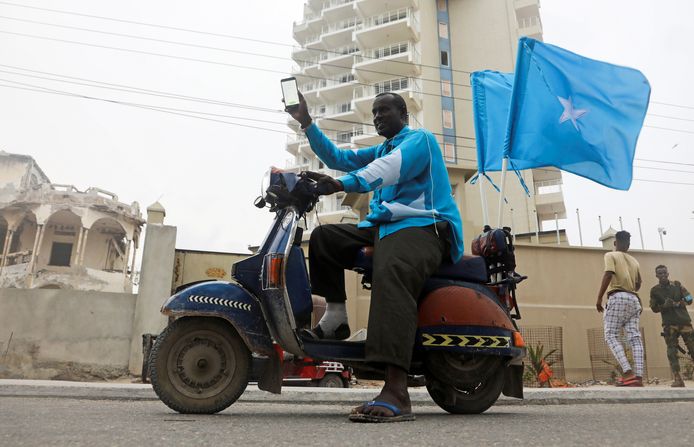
pixel 402 262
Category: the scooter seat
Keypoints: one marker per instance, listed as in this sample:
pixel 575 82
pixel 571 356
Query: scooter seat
pixel 469 268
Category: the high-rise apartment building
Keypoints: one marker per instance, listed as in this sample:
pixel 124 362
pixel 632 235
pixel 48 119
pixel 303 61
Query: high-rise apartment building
pixel 351 50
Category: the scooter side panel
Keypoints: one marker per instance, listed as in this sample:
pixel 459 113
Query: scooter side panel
pixel 467 320
pixel 228 301
pixel 462 306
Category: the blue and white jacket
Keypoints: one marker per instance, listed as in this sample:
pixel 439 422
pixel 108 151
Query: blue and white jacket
pixel 408 178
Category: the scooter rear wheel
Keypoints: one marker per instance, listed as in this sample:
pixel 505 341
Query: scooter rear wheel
pixel 199 365
pixel 464 384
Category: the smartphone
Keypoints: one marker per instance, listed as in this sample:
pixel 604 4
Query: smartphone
pixel 290 91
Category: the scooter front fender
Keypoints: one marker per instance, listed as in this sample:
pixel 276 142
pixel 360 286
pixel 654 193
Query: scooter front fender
pixel 228 301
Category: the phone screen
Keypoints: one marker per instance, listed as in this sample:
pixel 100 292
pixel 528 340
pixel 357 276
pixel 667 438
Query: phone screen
pixel 290 92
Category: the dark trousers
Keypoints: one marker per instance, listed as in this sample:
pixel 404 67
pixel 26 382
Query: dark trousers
pixel 672 334
pixel 402 263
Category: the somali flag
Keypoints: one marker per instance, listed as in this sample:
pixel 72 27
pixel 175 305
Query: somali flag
pixel 577 114
pixel 491 97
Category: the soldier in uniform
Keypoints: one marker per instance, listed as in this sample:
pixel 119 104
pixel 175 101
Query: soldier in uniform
pixel 670 299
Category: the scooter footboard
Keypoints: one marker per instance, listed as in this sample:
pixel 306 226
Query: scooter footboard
pixel 228 301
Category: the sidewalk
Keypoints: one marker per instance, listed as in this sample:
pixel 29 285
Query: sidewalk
pixel 310 395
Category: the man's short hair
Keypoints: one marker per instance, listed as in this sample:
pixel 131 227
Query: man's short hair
pixel 623 236
pixel 661 266
pixel 399 101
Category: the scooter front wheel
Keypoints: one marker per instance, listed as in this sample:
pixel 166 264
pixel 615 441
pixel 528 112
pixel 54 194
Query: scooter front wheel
pixel 199 365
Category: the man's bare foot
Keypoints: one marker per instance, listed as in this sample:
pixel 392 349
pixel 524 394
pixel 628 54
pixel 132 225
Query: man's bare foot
pixel 394 392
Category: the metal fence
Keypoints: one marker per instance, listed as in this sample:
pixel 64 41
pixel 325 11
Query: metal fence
pixel 602 362
pixel 544 343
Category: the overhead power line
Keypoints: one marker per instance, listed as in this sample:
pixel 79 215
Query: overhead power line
pixel 176 111
pixel 206 33
pixel 206 61
pixel 196 115
pixel 136 90
pixel 243 38
pixel 227 50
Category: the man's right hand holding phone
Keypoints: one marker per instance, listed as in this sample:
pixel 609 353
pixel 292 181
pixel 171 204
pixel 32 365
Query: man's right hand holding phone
pixel 300 112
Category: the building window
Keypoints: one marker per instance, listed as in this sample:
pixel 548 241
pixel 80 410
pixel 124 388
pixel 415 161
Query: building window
pixel 449 154
pixel 61 253
pixel 448 119
pixel 446 88
pixel 443 30
pixel 441 4
pixel 320 165
pixel 444 58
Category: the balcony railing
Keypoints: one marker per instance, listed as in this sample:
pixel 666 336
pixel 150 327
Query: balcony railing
pixel 390 85
pixel 548 187
pixel 341 25
pixel 338 52
pixel 390 50
pixel 344 137
pixel 339 108
pixel 389 17
pixel 336 3
pixel 527 22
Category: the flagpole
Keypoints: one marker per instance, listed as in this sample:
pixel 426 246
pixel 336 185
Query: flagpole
pixel 483 197
pixel 504 168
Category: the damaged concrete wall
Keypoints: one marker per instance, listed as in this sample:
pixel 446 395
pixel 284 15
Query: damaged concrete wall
pixel 65 334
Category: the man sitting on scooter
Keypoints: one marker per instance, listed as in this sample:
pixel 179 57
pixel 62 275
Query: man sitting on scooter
pixel 413 224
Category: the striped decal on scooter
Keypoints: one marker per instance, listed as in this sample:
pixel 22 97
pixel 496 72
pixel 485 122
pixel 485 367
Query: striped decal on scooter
pixel 219 302
pixel 467 341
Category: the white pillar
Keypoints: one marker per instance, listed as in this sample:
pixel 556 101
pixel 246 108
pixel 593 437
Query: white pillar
pixel 78 250
pixel 80 261
pixel 8 238
pixel 38 247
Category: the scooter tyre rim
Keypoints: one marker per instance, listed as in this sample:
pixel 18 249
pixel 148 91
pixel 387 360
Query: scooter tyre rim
pixel 201 364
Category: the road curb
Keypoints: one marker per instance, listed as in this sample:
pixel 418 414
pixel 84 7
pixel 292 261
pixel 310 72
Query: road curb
pixel 307 395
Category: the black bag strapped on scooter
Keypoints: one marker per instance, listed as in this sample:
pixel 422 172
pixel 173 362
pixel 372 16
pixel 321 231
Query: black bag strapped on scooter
pixel 495 245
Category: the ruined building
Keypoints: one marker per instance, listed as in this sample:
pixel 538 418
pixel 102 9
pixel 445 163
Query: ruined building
pixel 57 237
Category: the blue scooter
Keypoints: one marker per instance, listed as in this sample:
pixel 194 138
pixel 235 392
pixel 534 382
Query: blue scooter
pixel 468 347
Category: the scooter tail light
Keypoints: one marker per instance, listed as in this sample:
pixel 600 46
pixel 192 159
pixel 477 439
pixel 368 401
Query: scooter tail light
pixel 518 341
pixel 274 271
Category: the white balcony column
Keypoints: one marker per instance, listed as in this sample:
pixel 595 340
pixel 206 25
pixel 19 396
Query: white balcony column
pixel 42 230
pixel 6 248
pixel 80 260
pixel 125 258
pixel 35 248
pixel 132 262
pixel 78 250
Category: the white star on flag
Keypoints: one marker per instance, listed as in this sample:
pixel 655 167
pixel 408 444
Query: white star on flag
pixel 569 112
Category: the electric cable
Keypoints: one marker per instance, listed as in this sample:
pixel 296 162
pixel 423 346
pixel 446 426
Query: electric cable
pixel 227 50
pixel 206 61
pixel 195 115
pixel 189 30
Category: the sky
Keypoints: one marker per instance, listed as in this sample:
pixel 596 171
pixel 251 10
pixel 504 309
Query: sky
pixel 205 169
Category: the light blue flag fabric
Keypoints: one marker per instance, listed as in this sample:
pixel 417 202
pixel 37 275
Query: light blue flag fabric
pixel 577 114
pixel 491 96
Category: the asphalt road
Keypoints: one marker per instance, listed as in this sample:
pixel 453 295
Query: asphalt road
pixel 37 421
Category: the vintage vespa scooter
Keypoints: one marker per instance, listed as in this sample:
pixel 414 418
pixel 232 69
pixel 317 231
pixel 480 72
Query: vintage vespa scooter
pixel 468 346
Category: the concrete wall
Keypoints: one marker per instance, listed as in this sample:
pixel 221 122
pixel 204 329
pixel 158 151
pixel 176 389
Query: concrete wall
pixel 155 284
pixel 561 291
pixel 64 334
